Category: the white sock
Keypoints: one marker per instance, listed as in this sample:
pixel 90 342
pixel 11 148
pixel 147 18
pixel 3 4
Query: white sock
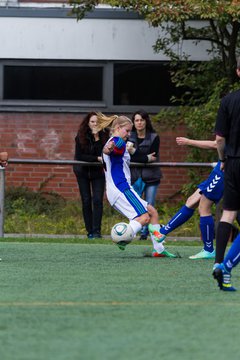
pixel 156 245
pixel 156 227
pixel 135 225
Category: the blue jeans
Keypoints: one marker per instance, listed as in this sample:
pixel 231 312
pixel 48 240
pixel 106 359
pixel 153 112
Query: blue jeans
pixel 92 192
pixel 150 193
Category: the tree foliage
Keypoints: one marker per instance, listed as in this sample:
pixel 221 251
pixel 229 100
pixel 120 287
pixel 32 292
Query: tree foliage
pixel 204 82
pixel 220 27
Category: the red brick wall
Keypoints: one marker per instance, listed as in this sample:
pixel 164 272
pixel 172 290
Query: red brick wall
pixel 51 136
pixel 173 177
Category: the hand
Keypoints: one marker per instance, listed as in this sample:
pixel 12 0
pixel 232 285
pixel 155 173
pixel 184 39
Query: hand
pixel 222 166
pixel 100 159
pixel 182 141
pixel 130 147
pixel 4 158
pixel 152 157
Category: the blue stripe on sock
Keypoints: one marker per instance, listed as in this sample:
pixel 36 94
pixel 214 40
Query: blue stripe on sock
pixel 207 232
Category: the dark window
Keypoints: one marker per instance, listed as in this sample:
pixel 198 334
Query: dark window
pixel 53 83
pixel 142 84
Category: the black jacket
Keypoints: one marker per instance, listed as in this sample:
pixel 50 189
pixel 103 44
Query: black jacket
pixel 89 153
pixel 149 145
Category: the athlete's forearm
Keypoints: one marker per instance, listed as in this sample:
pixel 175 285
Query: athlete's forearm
pixel 202 144
pixel 221 142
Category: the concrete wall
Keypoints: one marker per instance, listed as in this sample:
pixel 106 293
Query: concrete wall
pixel 63 38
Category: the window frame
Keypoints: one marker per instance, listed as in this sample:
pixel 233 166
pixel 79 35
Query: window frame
pixel 106 105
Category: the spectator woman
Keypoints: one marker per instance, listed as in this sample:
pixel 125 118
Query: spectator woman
pixel 91 181
pixel 146 142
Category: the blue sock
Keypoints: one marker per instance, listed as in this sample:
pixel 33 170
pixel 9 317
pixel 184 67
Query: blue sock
pixel 233 256
pixel 207 232
pixel 178 219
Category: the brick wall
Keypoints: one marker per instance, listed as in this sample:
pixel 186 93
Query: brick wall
pixel 51 136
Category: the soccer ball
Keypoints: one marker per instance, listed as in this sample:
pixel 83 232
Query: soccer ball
pixel 122 233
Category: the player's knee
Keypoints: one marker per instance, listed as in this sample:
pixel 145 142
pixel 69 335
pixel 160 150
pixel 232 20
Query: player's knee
pixel 152 212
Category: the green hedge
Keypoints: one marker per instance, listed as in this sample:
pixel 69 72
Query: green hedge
pixel 38 212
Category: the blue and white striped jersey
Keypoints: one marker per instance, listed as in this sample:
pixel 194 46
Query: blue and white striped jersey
pixel 117 171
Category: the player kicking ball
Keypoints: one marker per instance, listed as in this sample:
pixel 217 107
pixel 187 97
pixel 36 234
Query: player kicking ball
pixel 120 194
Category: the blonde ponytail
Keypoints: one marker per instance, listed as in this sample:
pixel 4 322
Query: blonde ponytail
pixel 114 120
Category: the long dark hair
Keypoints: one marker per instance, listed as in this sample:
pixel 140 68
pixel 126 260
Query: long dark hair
pixel 146 117
pixel 84 130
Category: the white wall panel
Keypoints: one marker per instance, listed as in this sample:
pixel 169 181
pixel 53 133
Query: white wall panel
pixel 88 39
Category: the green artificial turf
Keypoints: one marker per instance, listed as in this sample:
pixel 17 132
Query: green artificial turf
pixel 94 302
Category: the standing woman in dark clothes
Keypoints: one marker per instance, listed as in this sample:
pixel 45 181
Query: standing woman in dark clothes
pixel 91 181
pixel 146 142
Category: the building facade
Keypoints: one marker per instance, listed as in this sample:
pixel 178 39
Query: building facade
pixel 54 69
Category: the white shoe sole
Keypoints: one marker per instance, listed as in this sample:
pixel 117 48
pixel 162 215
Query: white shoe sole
pixel 193 257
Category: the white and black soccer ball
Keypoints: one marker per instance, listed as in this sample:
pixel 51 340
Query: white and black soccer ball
pixel 122 233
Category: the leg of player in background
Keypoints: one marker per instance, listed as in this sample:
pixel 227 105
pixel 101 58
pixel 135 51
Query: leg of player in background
pixel 150 192
pixel 183 215
pixel 222 272
pixel 207 229
pixel 223 233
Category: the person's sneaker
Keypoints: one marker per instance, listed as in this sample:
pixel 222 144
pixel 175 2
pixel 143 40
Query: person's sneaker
pixel 203 254
pixel 223 278
pixel 90 236
pixel 143 237
pixel 164 253
pixel 158 236
pixel 97 235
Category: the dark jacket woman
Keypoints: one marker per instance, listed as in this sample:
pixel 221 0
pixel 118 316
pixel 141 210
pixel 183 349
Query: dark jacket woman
pixel 91 180
pixel 145 146
pixel 89 151
pixel 146 142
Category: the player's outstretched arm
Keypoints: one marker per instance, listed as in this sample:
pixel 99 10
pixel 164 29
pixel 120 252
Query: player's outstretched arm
pixel 202 144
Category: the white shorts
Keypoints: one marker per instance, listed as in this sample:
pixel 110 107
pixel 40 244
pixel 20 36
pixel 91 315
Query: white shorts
pixel 130 204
